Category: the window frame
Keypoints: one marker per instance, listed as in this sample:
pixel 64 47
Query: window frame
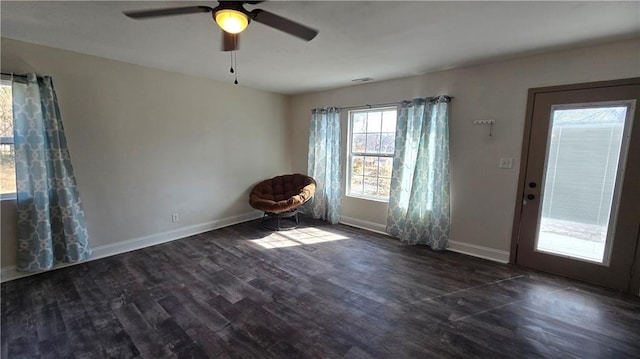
pixel 5 140
pixel 350 154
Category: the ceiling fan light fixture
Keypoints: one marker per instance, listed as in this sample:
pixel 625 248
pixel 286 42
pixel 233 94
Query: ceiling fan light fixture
pixel 232 21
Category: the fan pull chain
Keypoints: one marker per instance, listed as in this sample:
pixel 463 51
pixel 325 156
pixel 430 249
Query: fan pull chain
pixel 235 64
pixel 231 61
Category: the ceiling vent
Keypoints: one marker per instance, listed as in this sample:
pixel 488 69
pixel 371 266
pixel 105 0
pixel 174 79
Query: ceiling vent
pixel 363 79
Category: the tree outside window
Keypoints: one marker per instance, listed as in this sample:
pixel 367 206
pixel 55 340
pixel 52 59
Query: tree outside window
pixel 7 152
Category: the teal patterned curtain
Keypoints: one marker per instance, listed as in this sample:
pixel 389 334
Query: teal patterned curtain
pixel 419 200
pixel 51 223
pixel 324 164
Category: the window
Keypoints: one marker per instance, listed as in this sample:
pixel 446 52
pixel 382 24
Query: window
pixel 7 153
pixel 372 134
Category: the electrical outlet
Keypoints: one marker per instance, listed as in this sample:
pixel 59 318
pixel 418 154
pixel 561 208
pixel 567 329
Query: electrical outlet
pixel 506 163
pixel 175 217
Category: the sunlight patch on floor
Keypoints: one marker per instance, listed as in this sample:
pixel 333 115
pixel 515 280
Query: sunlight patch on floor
pixel 297 237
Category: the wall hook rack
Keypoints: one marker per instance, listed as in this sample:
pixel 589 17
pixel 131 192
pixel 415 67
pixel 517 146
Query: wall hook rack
pixel 486 122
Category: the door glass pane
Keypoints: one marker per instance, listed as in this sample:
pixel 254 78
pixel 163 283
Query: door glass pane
pixel 582 163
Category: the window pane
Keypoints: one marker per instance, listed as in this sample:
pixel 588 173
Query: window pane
pixel 358 143
pixel 371 186
pixel 8 172
pixel 6 112
pixel 356 184
pixel 357 165
pixel 373 142
pixel 389 121
pixel 383 187
pixel 386 164
pixel 372 133
pixel 387 143
pixel 371 166
pixel 7 154
pixel 359 123
pixel 374 122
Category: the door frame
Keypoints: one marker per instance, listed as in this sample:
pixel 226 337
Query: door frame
pixel 526 141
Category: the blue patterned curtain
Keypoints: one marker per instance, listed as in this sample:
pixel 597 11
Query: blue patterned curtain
pixel 324 164
pixel 51 223
pixel 419 200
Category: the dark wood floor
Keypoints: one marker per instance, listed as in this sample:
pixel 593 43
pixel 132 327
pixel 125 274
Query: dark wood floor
pixel 317 292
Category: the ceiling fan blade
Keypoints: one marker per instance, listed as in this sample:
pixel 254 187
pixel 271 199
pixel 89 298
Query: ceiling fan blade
pixel 230 42
pixel 284 24
pixel 144 14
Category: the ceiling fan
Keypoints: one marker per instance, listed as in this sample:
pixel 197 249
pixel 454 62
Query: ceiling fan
pixel 233 18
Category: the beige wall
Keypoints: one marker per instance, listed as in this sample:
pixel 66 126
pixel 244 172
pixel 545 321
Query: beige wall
pixel 147 143
pixel 483 196
pixel 8 243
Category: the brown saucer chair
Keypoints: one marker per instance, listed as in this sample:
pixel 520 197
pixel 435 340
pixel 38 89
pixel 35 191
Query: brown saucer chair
pixel 280 197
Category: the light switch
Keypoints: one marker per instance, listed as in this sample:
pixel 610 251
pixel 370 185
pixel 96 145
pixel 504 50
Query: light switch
pixel 506 163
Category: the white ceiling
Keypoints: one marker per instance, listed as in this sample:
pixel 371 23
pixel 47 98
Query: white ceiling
pixel 381 40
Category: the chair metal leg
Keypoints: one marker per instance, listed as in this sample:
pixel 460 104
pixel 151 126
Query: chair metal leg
pixel 274 222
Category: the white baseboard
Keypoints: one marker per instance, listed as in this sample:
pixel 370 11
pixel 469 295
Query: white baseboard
pixel 10 272
pixel 479 251
pixel 362 224
pixel 454 246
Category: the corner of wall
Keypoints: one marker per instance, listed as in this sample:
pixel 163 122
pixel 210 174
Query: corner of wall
pixel 289 120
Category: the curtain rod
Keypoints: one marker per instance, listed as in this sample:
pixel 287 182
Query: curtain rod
pixel 382 104
pixel 371 105
pixel 14 75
